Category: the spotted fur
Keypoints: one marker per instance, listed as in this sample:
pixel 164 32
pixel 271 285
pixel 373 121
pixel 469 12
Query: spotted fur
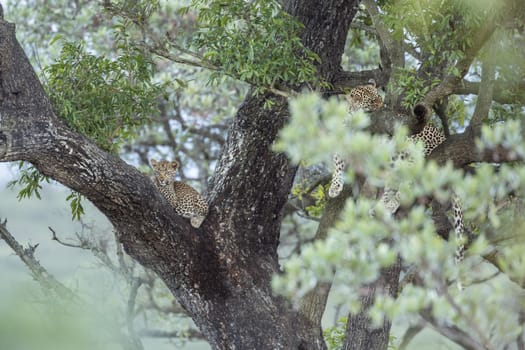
pixel 363 97
pixel 367 98
pixel 459 229
pixel 186 201
pixel 431 138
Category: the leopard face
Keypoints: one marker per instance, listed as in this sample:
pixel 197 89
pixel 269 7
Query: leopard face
pixel 164 170
pixel 364 97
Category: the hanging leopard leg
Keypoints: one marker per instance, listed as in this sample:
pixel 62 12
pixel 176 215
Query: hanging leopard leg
pixel 459 230
pixel 336 186
pixel 390 199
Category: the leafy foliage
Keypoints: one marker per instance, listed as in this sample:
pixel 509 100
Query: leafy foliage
pixel 106 100
pixel 30 179
pixel 75 199
pixel 361 244
pixel 318 195
pixel 254 41
pixel 335 336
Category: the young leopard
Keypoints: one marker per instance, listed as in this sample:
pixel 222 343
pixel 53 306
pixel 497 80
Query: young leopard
pixel 431 138
pixel 363 97
pixel 367 98
pixel 186 201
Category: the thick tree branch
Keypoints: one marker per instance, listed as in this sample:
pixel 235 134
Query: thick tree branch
pixel 359 331
pixel 481 112
pixel 346 80
pixel 462 150
pixel 503 92
pixel 313 304
pixel 451 81
pixel 453 333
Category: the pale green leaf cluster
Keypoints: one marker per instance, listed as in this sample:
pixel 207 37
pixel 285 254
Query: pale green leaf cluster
pixel 369 238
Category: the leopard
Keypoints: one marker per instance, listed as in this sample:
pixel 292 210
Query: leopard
pixel 367 98
pixel 186 201
pixel 431 138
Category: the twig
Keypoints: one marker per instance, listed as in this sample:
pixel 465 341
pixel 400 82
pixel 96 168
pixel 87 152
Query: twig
pixel 130 313
pixel 71 245
pixel 409 335
pixel 185 61
pixel 452 332
pixel 486 279
pixel 451 81
pixel 486 89
pixel 443 288
pixel 86 244
pixel 39 273
pixel 156 333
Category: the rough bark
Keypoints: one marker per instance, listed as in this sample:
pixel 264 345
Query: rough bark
pixel 220 273
pixel 313 304
pixel 359 332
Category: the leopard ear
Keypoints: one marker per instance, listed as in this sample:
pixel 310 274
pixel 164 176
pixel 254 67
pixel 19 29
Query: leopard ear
pixel 153 162
pixel 175 165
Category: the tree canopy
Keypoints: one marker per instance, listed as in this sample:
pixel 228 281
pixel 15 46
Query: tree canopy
pixel 249 97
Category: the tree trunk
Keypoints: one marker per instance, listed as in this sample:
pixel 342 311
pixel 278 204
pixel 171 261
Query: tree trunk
pixel 220 273
pixel 359 332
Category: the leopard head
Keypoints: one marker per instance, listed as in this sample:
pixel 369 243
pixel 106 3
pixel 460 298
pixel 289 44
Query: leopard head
pixel 164 169
pixel 365 97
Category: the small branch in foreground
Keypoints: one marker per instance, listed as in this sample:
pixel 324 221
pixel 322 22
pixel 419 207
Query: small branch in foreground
pixel 486 89
pixel 85 244
pixel 130 313
pixel 39 273
pixel 452 332
pixel 443 288
pixel 451 81
pixel 192 334
pixel 410 333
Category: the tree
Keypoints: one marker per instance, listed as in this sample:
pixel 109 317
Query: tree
pixel 221 273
